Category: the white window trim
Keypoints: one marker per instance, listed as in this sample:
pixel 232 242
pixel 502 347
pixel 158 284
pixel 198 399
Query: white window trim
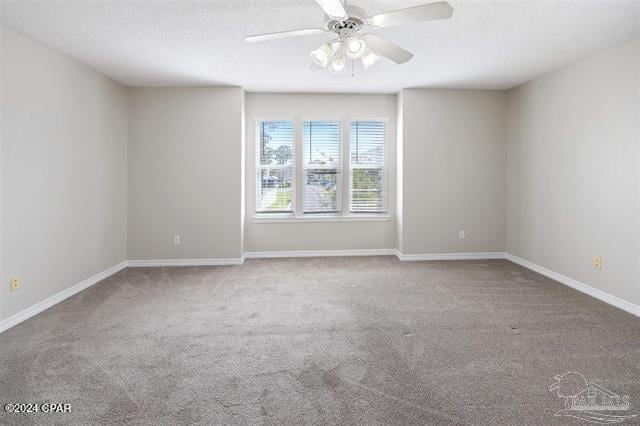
pixel 298 216
pixel 318 218
pixel 258 166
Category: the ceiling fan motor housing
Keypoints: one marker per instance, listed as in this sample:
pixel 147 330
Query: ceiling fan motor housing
pixel 356 17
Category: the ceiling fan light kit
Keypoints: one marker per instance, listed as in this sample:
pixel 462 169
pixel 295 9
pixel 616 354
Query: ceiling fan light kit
pixel 347 20
pixel 368 58
pixel 355 47
pixel 338 64
pixel 322 55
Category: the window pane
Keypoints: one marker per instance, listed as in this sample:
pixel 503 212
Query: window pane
pixel 276 143
pixel 322 143
pixel 367 143
pixel 367 190
pixel 368 150
pixel 274 190
pixel 320 190
pixel 321 162
pixel 274 172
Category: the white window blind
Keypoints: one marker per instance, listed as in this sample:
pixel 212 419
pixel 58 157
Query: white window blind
pixel 321 167
pixel 275 167
pixel 368 167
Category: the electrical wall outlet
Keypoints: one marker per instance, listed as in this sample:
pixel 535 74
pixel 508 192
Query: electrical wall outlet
pixel 15 283
pixel 597 262
pixel 461 235
pixel 176 240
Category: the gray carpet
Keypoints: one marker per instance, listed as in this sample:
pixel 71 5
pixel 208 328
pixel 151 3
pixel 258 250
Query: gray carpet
pixel 328 340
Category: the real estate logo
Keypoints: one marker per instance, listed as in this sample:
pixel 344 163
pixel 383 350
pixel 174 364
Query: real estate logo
pixel 589 401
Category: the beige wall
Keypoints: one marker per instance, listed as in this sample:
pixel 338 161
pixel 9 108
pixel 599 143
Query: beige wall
pixel 261 237
pixel 3 293
pixel 64 172
pixel 573 162
pixel 185 170
pixel 453 177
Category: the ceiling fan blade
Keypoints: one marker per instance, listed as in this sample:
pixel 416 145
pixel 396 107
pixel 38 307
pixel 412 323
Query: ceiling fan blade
pixel 412 15
pixel 387 49
pixel 333 8
pixel 283 34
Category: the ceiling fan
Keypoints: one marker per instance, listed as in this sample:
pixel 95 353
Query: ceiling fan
pixel 347 21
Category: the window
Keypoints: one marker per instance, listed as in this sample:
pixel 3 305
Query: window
pixel 321 167
pixel 275 167
pixel 327 170
pixel 368 167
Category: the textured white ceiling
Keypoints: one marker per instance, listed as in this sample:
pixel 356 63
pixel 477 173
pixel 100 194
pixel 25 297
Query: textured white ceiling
pixel 487 44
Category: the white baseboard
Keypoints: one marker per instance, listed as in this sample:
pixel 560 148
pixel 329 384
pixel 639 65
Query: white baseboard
pixel 318 253
pixel 374 252
pixel 185 262
pixel 57 298
pixel 451 256
pixel 584 288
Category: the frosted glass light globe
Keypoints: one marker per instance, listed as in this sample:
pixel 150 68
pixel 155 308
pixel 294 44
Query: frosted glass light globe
pixel 355 47
pixel 338 64
pixel 322 55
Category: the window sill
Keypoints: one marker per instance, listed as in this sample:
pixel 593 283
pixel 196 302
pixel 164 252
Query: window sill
pixel 275 218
